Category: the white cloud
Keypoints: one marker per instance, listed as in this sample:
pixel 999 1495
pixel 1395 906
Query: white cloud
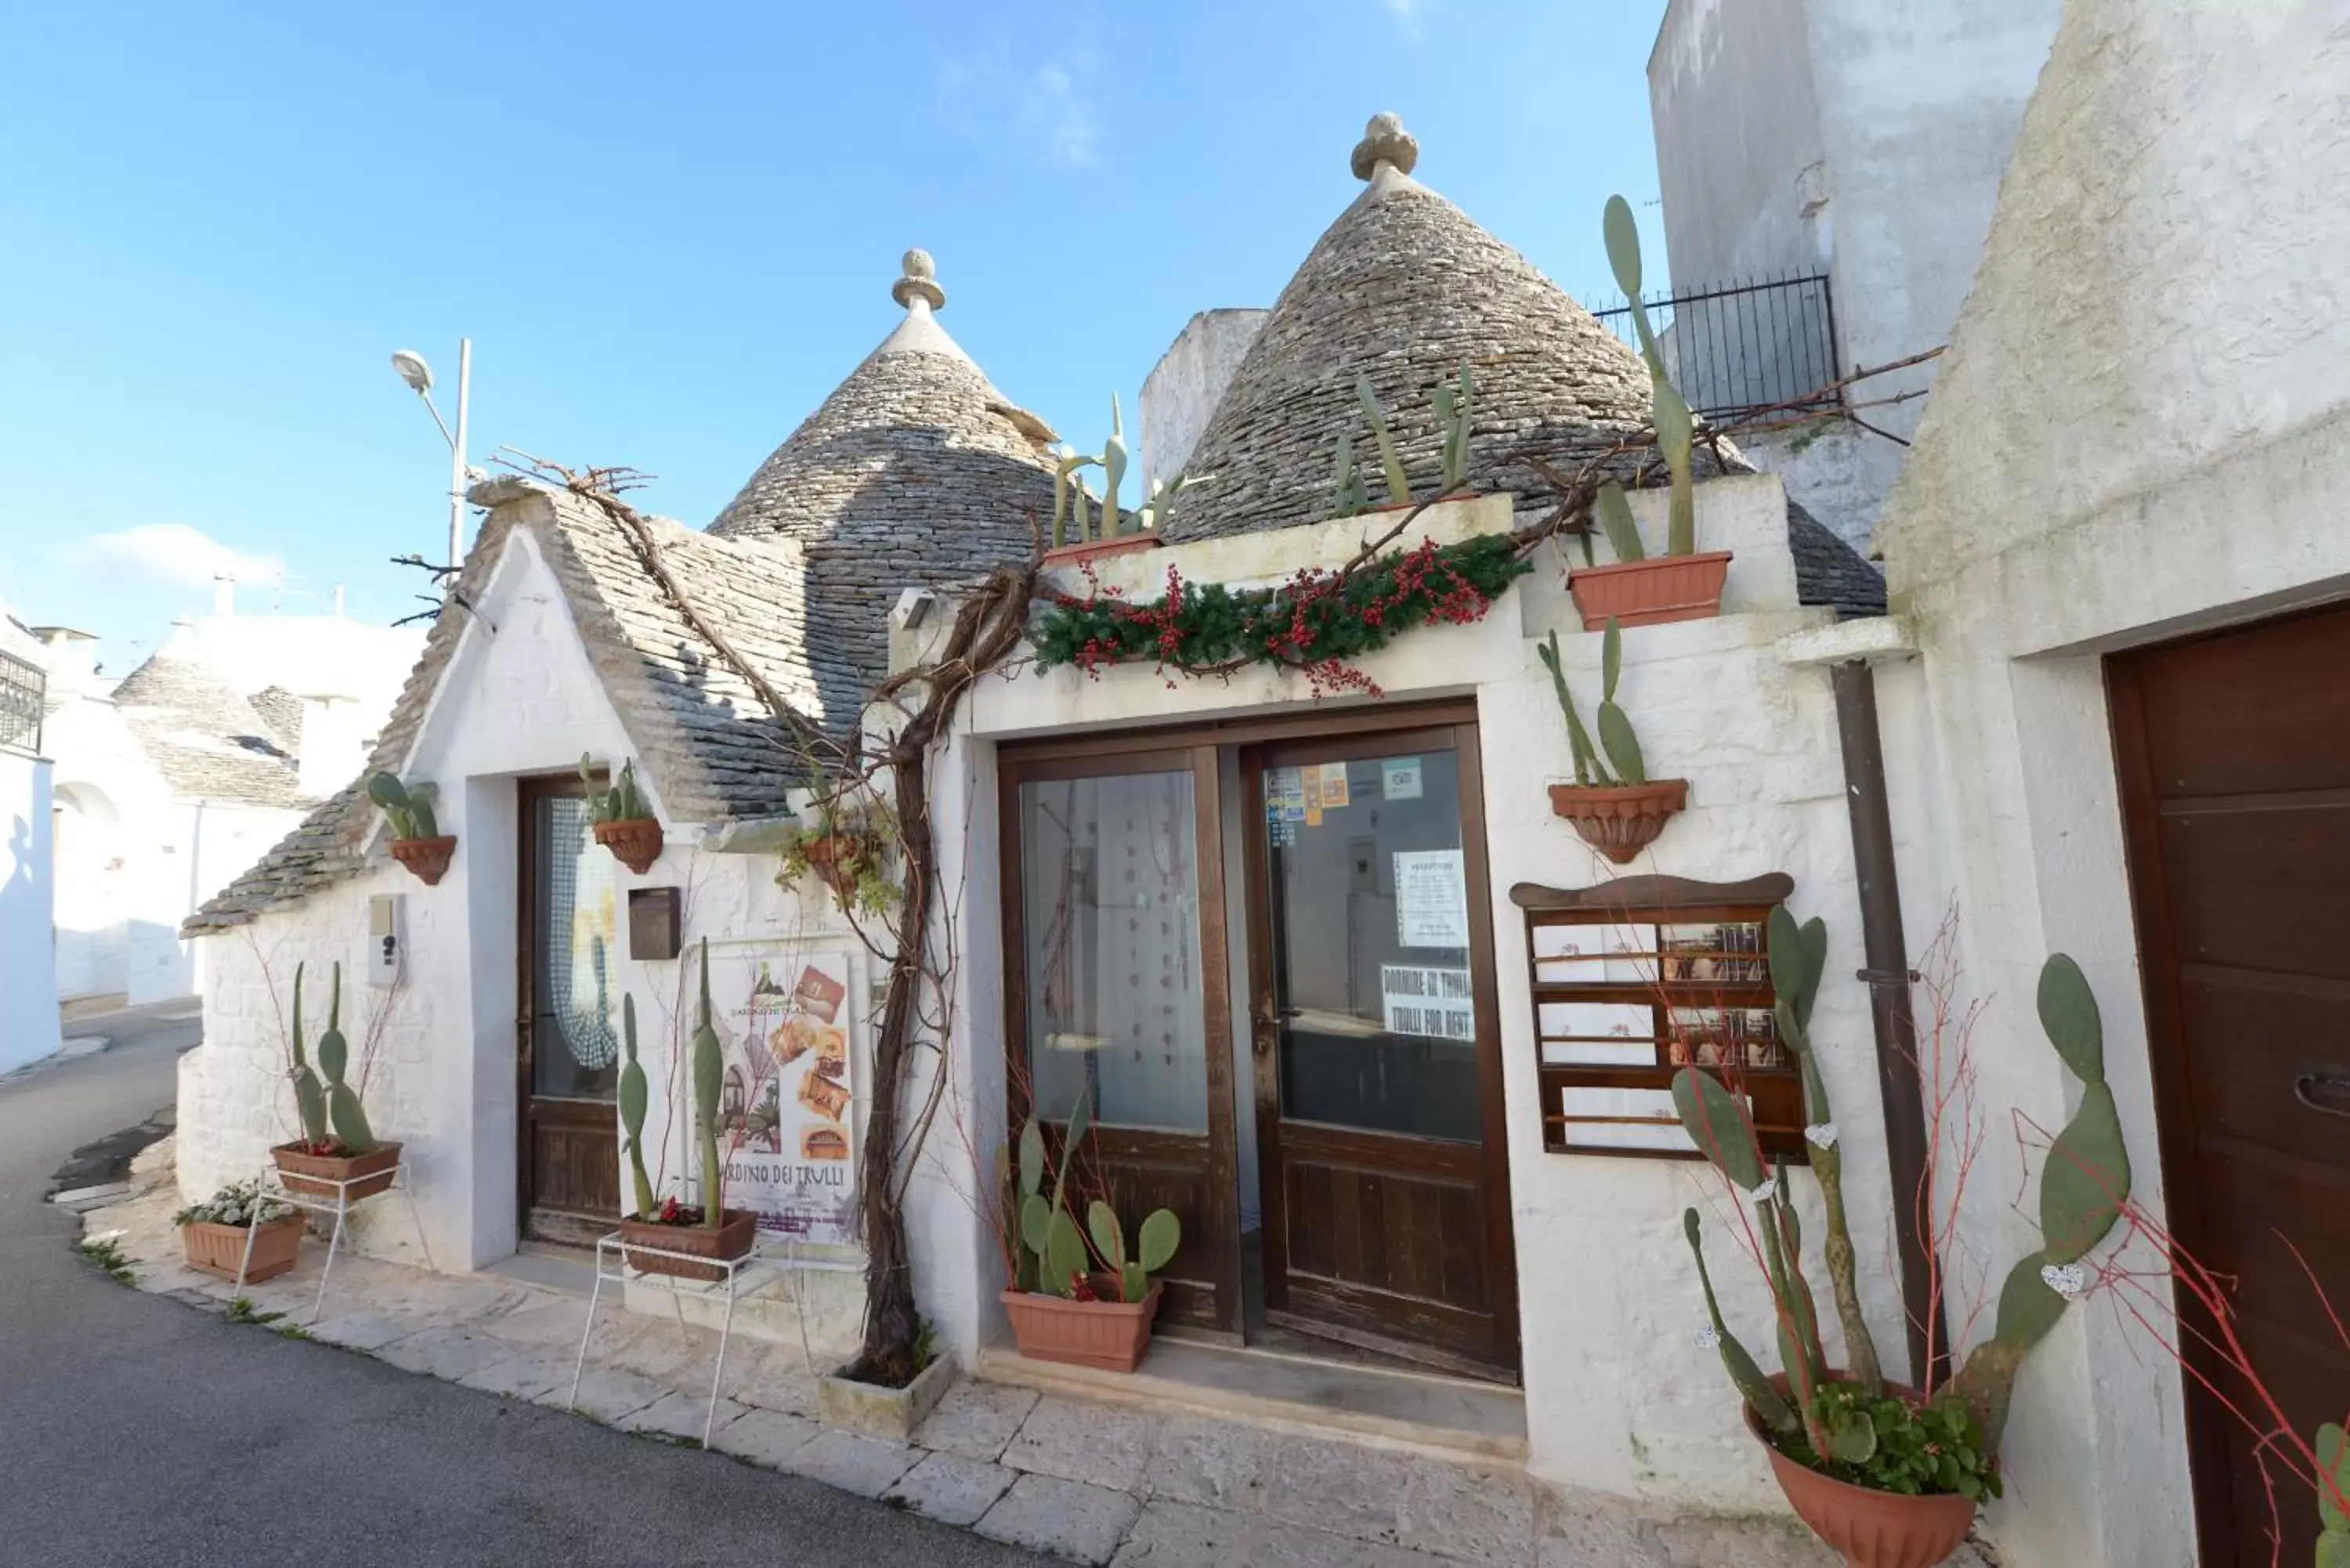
pixel 173 554
pixel 1408 15
pixel 1050 109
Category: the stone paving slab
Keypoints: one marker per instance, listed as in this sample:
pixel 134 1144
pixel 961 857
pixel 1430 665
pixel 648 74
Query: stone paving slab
pixel 1466 1514
pixel 865 1466
pixel 976 1420
pixel 1186 1535
pixel 523 1377
pixel 605 1395
pixel 767 1437
pixel 1216 1463
pixel 366 1331
pixel 951 1489
pixel 1338 1487
pixel 1068 1518
pixel 679 1416
pixel 1076 1440
pixel 449 1352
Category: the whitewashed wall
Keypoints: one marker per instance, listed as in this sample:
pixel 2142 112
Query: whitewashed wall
pixel 28 992
pixel 518 702
pixel 1617 1395
pixel 2140 431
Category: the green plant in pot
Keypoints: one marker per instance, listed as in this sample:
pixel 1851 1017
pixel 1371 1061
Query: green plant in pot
pixel 417 841
pixel 1613 803
pixel 1454 402
pixel 1681 583
pixel 243 1232
pixel 711 1231
pixel 624 823
pixel 337 1154
pixel 1075 522
pixel 1071 1300
pixel 847 849
pixel 1883 1473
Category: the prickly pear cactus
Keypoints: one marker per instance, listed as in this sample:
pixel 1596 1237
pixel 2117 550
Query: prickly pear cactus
pixel 2084 1184
pixel 2333 1503
pixel 709 1078
pixel 632 1107
pixel 343 1107
pixel 309 1095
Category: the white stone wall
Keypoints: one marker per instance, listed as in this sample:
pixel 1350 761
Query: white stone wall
pixel 2140 431
pixel 1183 388
pixel 28 992
pixel 1617 1395
pixel 517 700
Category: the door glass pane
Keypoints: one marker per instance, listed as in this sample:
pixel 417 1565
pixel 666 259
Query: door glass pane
pixel 1370 944
pixel 1110 901
pixel 575 1043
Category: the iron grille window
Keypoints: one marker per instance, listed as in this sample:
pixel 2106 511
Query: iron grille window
pixel 1743 346
pixel 23 687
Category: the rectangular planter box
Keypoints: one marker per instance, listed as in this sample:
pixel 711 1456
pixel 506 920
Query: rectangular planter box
pixel 877 1412
pixel 1651 592
pixel 1096 549
pixel 1108 1333
pixel 315 1175
pixel 219 1249
pixel 728 1241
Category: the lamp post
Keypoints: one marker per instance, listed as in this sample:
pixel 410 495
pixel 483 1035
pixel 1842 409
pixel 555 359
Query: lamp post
pixel 419 376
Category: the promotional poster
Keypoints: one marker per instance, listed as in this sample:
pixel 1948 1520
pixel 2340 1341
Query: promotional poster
pixel 785 1109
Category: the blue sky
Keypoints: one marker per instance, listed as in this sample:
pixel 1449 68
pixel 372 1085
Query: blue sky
pixel 670 231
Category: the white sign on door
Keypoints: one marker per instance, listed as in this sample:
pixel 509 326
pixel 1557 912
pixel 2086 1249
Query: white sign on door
pixel 1431 893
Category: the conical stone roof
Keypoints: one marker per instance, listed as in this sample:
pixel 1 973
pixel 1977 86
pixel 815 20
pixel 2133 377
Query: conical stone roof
pixel 1401 289
pixel 915 470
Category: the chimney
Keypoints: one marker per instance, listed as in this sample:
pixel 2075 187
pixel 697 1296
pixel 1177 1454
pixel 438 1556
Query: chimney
pixel 1184 388
pixel 332 749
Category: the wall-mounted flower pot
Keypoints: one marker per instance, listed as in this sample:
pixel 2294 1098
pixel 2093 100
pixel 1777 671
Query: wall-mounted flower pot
pixel 834 860
pixel 427 857
pixel 312 1175
pixel 732 1240
pixel 1096 549
pixel 635 842
pixel 1651 592
pixel 219 1249
pixel 1619 820
pixel 1109 1333
pixel 1869 1529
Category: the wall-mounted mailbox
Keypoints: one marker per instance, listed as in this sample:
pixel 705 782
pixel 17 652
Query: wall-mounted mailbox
pixel 653 923
pixel 384 939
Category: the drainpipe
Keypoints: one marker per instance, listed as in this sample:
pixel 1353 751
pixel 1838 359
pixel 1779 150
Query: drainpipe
pixel 1888 977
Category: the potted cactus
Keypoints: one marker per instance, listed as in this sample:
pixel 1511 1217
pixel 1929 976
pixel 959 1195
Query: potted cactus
pixel 1071 1302
pixel 713 1231
pixel 241 1233
pixel 624 824
pixel 417 841
pixel 848 852
pixel 338 1152
pixel 1681 583
pixel 1079 533
pixel 1621 812
pixel 1890 1475
pixel 1454 405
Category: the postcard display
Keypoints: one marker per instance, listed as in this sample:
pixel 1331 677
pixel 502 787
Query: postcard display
pixel 786 1107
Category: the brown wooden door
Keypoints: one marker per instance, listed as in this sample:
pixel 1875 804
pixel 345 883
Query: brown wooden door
pixel 1376 1045
pixel 2234 757
pixel 1116 987
pixel 568 1047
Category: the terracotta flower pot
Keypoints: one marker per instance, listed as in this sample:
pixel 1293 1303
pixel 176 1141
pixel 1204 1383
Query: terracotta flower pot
pixel 1619 820
pixel 1868 1528
pixel 428 857
pixel 1650 592
pixel 215 1249
pixel 1095 549
pixel 732 1240
pixel 312 1175
pixel 1108 1333
pixel 834 860
pixel 635 843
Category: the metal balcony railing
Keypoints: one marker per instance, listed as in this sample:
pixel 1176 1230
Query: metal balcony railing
pixel 23 688
pixel 1743 346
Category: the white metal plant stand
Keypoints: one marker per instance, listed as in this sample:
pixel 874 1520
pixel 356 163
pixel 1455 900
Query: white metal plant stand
pixel 768 1259
pixel 273 1186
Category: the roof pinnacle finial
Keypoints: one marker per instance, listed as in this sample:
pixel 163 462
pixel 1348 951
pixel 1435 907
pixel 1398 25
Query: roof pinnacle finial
pixel 1385 140
pixel 920 282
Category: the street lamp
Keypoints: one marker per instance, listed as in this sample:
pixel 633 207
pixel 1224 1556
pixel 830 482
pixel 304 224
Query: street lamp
pixel 413 370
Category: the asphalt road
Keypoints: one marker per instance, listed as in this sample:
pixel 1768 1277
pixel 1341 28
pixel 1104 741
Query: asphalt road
pixel 135 1431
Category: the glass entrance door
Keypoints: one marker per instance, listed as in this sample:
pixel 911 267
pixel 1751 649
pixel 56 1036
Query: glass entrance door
pixel 569 1043
pixel 1376 1045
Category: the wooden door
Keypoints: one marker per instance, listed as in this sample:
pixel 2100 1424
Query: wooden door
pixel 567 1043
pixel 1116 987
pixel 1376 1045
pixel 2234 757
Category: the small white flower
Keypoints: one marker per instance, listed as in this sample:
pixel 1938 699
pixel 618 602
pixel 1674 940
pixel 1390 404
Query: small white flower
pixel 1820 1135
pixel 1708 1340
pixel 2067 1280
pixel 1766 1192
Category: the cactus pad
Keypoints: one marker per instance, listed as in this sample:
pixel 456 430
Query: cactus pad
pixel 2068 1012
pixel 1718 1122
pixel 2086 1177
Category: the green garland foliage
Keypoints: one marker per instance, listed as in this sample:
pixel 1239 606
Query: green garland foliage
pixel 1318 621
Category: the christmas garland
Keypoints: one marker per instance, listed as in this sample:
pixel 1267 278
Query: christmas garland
pixel 1318 621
